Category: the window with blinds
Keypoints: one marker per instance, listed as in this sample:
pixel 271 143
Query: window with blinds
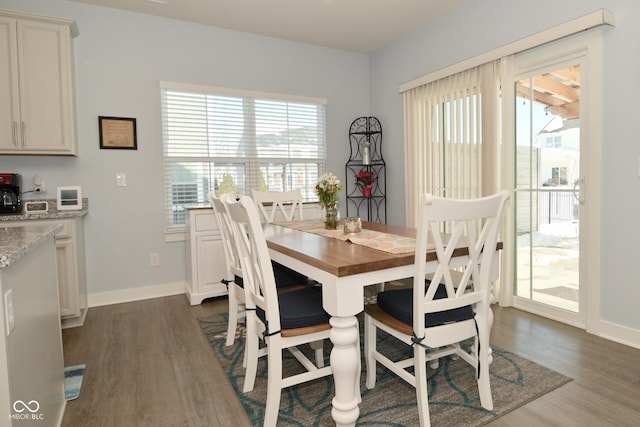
pixel 231 142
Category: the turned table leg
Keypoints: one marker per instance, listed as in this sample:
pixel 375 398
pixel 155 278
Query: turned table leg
pixel 344 364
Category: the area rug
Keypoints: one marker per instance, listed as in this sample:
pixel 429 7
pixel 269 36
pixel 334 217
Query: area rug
pixel 73 381
pixel 453 391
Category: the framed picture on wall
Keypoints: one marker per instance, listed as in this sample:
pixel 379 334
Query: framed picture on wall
pixel 118 133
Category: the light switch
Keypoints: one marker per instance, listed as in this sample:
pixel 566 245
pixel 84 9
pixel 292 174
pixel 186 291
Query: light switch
pixel 121 179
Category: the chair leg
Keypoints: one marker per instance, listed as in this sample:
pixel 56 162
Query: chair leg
pixel 434 364
pixel 233 315
pixel 252 344
pixel 420 366
pixel 318 348
pixel 484 383
pixel 246 352
pixel 274 380
pixel 369 349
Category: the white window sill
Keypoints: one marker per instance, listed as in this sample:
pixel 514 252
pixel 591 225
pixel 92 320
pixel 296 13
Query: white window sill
pixel 175 236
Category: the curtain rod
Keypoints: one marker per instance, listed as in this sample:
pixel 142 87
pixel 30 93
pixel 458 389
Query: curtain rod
pixel 583 23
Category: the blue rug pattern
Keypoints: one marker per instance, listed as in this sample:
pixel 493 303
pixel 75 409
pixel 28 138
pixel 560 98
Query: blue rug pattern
pixel 73 381
pixel 453 392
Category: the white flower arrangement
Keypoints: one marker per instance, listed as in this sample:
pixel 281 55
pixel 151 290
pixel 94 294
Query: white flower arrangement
pixel 328 189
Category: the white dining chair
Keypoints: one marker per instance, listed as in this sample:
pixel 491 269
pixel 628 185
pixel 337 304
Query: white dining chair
pixel 233 273
pixel 286 279
pixel 437 315
pixel 283 321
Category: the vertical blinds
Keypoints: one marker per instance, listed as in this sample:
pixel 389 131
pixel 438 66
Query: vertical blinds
pixel 226 142
pixel 443 139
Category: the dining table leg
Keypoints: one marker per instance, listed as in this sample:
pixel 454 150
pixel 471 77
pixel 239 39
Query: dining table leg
pixel 344 365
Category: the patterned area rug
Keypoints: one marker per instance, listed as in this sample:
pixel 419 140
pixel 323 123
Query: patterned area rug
pixel 73 376
pixel 453 392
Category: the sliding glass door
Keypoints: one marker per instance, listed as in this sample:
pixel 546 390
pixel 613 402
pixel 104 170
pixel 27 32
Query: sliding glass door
pixel 547 191
pixel 556 173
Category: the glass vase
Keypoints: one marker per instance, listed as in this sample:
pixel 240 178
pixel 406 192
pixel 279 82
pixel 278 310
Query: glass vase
pixel 331 216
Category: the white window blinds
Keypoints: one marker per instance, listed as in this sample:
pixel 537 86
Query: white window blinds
pixel 232 142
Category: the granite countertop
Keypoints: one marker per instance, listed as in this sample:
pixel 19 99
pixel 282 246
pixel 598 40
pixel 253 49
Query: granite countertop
pixel 53 212
pixel 16 242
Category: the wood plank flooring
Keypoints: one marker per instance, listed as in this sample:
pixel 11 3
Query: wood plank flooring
pixel 148 364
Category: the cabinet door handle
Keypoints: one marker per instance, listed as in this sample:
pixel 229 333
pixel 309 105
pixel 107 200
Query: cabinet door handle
pixel 15 133
pixel 23 131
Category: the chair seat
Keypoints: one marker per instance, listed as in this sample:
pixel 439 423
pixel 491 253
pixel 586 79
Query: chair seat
pixel 300 309
pixel 398 303
pixel 284 277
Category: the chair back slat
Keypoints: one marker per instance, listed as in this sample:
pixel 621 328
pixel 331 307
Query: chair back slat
pixel 472 224
pixel 287 203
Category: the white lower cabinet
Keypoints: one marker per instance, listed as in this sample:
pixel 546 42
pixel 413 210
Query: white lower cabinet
pixel 205 256
pixel 32 356
pixel 72 276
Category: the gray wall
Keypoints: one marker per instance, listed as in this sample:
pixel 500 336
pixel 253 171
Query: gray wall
pixel 489 24
pixel 120 58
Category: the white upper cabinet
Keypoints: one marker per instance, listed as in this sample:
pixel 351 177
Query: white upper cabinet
pixel 37 102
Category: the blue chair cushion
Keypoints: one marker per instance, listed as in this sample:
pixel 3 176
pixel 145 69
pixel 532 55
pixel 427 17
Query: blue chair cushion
pixel 299 309
pixel 238 281
pixel 399 304
pixel 284 277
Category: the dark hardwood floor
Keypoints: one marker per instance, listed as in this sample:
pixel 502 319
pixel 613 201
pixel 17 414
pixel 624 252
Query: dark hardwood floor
pixel 148 364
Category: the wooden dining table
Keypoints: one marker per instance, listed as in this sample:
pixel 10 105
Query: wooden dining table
pixel 344 269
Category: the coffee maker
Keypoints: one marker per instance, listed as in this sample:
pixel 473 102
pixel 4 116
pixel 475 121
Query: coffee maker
pixel 10 200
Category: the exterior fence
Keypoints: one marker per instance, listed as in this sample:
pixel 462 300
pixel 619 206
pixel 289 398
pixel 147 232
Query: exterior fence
pixel 557 206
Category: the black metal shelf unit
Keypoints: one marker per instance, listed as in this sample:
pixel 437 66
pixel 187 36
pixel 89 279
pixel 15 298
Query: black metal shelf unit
pixel 365 139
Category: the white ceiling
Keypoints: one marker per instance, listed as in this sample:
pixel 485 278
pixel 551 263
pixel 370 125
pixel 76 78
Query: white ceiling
pixel 352 25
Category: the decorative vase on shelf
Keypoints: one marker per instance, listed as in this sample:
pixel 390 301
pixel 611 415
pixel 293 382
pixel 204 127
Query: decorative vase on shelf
pixel 366 190
pixel 331 215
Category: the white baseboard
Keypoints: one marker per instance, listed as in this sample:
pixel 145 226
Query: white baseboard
pixel 621 334
pixel 136 294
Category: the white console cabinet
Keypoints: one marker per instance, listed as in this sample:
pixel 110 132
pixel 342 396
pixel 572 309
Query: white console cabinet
pixel 37 113
pixel 205 255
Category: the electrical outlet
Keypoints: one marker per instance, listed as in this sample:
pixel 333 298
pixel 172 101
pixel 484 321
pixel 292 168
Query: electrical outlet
pixel 121 179
pixel 154 259
pixel 10 319
pixel 38 184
